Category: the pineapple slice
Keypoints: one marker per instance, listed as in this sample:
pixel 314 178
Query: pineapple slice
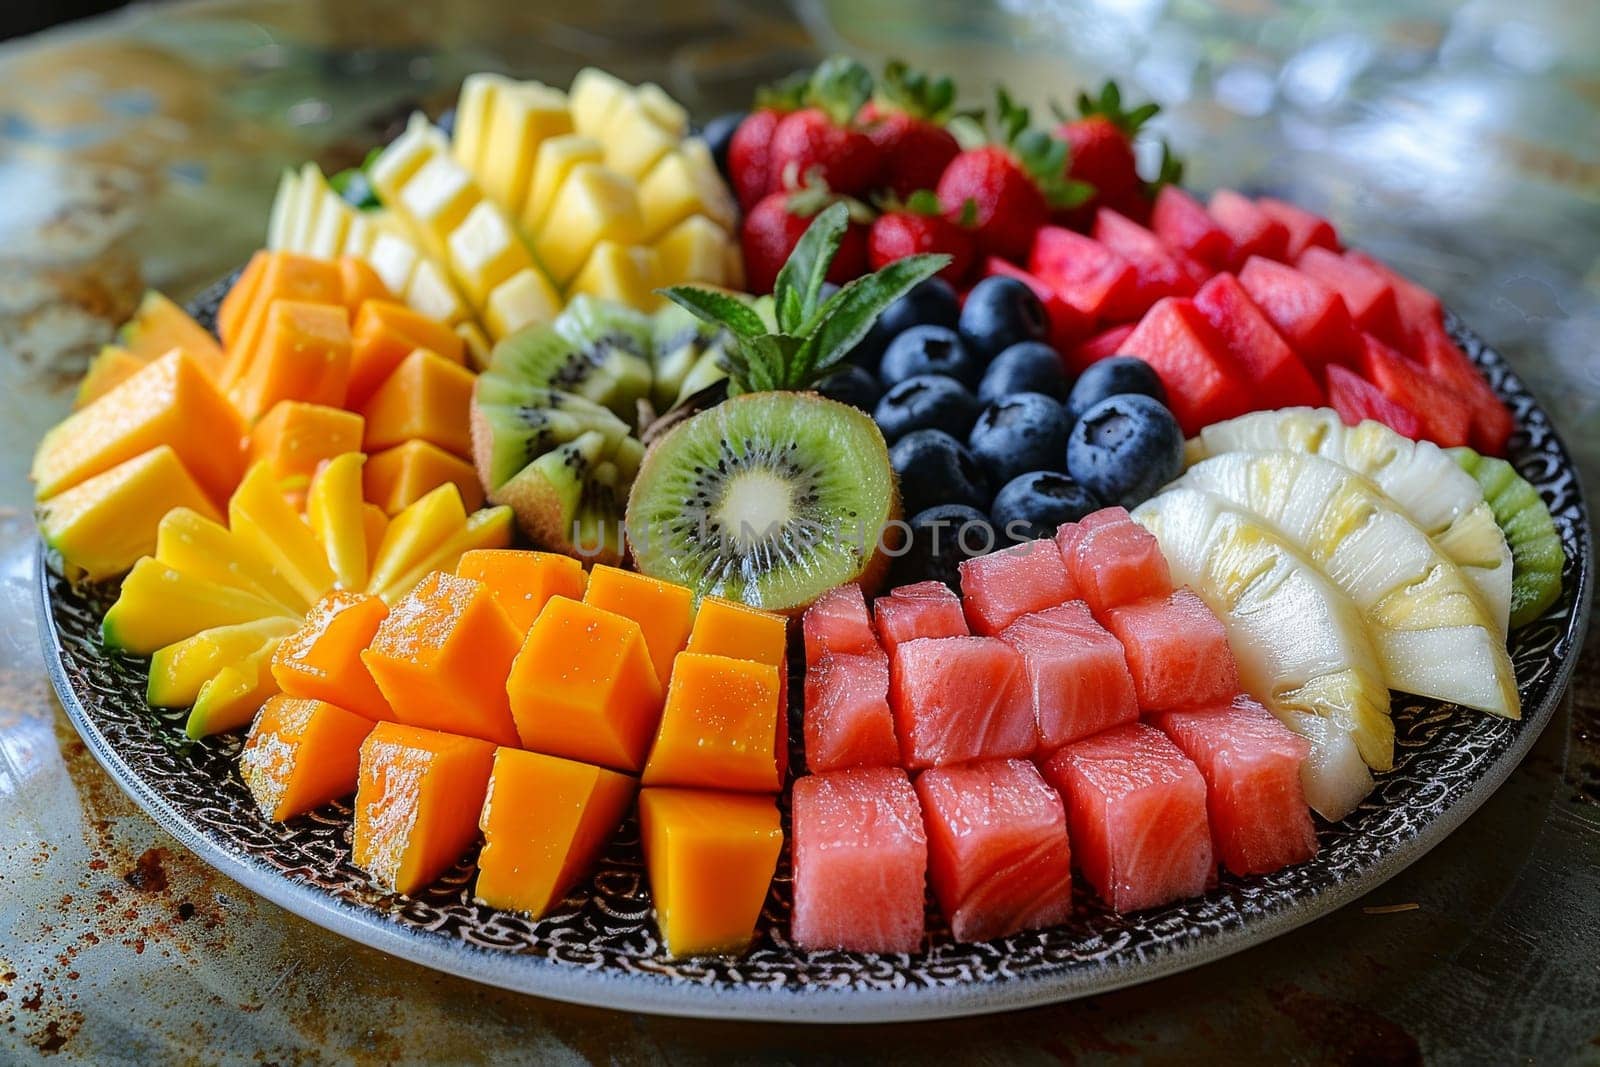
pixel 696 250
pixel 430 291
pixel 552 163
pixel 628 274
pixel 485 251
pixel 404 157
pixel 287 204
pixel 395 259
pixel 683 183
pixel 525 299
pixel 667 112
pixel 595 95
pixel 474 116
pixel 593 205
pixel 1434 635
pixel 437 198
pixel 328 232
pixel 524 117
pixel 634 140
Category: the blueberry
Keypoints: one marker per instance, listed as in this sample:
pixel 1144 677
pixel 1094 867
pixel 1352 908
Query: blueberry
pixel 717 134
pixel 853 386
pixel 940 539
pixel 935 468
pixel 1026 367
pixel 929 350
pixel 1024 432
pixel 1125 448
pixel 926 402
pixel 1032 505
pixel 1116 376
pixel 999 313
pixel 929 303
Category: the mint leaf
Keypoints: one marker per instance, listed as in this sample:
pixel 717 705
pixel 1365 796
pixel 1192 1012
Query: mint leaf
pixel 718 309
pixel 845 319
pixel 799 283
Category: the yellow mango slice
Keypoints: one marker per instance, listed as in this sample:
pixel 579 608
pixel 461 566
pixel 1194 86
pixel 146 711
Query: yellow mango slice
pixel 231 698
pixel 159 606
pixel 334 508
pixel 189 542
pixel 261 518
pixel 178 671
pixel 414 534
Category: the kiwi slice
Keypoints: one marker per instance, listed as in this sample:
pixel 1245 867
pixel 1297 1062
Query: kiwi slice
pixel 596 350
pixel 508 437
pixel 768 498
pixel 1536 553
pixel 682 344
pixel 569 499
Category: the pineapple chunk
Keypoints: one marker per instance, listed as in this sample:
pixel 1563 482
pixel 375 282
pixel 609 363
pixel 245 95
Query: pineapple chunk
pixel 634 140
pixel 314 194
pixel 684 182
pixel 406 155
pixel 360 237
pixel 395 259
pixel 431 293
pixel 594 204
pixel 327 233
pixel 695 250
pixel 524 117
pixel 287 204
pixel 624 273
pixel 438 197
pixel 668 113
pixel 553 162
pixel 476 342
pixel 474 115
pixel 526 298
pixel 484 251
pixel 595 95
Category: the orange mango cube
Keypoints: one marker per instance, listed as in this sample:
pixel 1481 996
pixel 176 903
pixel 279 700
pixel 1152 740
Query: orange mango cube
pixel 441 658
pixel 242 323
pixel 729 628
pixel 545 821
pixel 295 436
pixel 303 354
pixel 235 306
pixel 428 398
pixel 358 283
pixel 664 611
pixel 301 754
pixel 720 726
pixel 398 477
pixel 583 687
pixel 523 582
pixel 418 796
pixel 322 659
pixel 385 333
pixel 710 857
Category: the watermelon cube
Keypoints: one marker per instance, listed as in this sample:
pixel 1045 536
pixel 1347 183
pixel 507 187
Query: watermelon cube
pixel 1102 345
pixel 922 609
pixel 997 848
pixel 1444 413
pixel 1355 398
pixel 1157 270
pixel 1305 229
pixel 1177 651
pixel 1252 231
pixel 1492 423
pixel 1280 378
pixel 847 721
pixel 1076 673
pixel 1136 809
pixel 1068 325
pixel 1367 293
pixel 1086 274
pixel 1309 315
pixel 1003 585
pixel 1415 303
pixel 860 862
pixel 837 622
pixel 1183 225
pixel 1113 560
pixel 1203 383
pixel 960 698
pixel 1254 801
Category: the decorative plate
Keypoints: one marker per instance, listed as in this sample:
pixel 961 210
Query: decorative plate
pixel 602 947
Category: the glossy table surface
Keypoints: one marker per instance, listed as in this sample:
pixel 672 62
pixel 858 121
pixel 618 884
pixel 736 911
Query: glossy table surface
pixel 1461 142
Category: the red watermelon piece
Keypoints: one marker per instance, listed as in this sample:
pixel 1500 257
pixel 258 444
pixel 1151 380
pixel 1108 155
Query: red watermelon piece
pixel 1102 285
pixel 1076 673
pixel 1309 315
pixel 860 862
pixel 922 609
pixel 1158 270
pixel 1177 651
pixel 1305 229
pixel 1254 801
pixel 1113 560
pixel 847 720
pixel 998 588
pixel 1367 294
pixel 960 698
pixel 1252 231
pixel 1136 810
pixel 1279 377
pixel 1203 383
pixel 1182 224
pixel 997 848
pixel 1492 423
pixel 1068 325
pixel 1355 398
pixel 1102 345
pixel 1444 413
pixel 1416 304
pixel 837 622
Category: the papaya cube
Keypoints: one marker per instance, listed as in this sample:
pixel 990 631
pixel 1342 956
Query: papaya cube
pixel 303 354
pixel 427 398
pixel 295 436
pixel 664 611
pixel 728 628
pixel 386 332
pixel 110 367
pixel 169 402
pixel 418 797
pixel 398 477
pixel 322 659
pixel 710 857
pixel 235 306
pixel 282 276
pixel 719 728
pixel 441 658
pixel 359 283
pixel 300 754
pixel 158 326
pixel 545 821
pixel 523 582
pixel 582 686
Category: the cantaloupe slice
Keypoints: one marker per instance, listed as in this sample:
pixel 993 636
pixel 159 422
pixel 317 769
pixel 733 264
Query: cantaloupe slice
pixel 200 547
pixel 414 534
pixel 402 475
pixel 294 436
pixel 729 628
pixel 336 512
pixel 281 276
pixel 360 283
pixel 159 605
pixel 158 326
pixel 710 857
pixel 664 611
pixel 230 698
pixel 442 656
pixel 384 333
pixel 418 797
pixel 522 582
pixel 427 398
pixel 583 687
pixel 487 528
pixel 719 727
pixel 303 354
pixel 321 659
pixel 301 754
pixel 110 367
pixel 545 821
pixel 260 517
pixel 236 304
pixel 178 671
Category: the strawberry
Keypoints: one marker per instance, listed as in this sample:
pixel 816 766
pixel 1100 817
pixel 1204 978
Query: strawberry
pixel 820 139
pixel 1102 151
pixel 917 226
pixel 905 122
pixel 1012 184
pixel 774 226
pixel 749 166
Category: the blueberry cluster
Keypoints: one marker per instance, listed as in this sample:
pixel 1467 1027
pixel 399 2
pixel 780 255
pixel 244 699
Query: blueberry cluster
pixel 991 441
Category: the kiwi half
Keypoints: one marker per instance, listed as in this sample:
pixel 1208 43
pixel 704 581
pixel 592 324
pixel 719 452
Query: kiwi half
pixel 768 498
pixel 1536 553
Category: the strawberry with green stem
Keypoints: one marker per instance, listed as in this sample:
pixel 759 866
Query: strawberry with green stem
pixel 905 120
pixel 1102 137
pixel 749 160
pixel 821 138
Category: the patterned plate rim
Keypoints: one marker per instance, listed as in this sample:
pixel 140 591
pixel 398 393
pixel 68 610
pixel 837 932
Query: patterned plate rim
pixel 901 996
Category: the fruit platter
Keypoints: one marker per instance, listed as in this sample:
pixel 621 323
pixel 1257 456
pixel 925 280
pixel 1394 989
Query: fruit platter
pixel 877 555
